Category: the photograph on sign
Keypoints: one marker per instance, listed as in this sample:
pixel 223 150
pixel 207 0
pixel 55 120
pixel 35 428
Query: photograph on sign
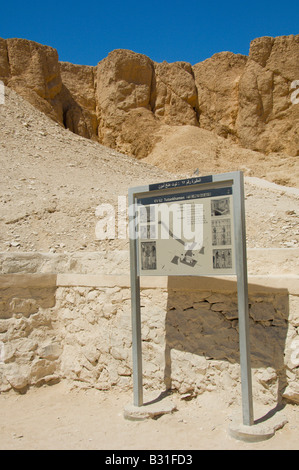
pixel 186 233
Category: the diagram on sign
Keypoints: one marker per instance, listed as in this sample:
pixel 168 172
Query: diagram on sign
pixel 189 233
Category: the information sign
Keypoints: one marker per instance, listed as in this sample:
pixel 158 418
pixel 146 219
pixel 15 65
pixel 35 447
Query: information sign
pixel 186 233
pixel 193 227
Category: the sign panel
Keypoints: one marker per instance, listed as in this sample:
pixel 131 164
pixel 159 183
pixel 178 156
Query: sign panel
pixel 193 227
pixel 190 232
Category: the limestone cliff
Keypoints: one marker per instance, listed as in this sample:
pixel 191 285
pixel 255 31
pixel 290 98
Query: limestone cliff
pixel 268 120
pixel 126 101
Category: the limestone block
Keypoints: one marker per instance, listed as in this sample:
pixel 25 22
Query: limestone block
pixel 24 345
pixel 8 351
pixel 262 311
pixel 267 376
pixel 217 297
pixel 109 310
pixel 92 295
pixel 292 392
pixel 119 353
pixel 103 382
pixel 50 351
pixel 70 362
pixel 18 376
pixel 124 371
pixel 294 310
pixel 40 369
pixel 188 371
pixel 292 348
pixel 24 306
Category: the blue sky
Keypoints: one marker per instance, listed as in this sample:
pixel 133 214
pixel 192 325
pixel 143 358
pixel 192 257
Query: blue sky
pixel 171 30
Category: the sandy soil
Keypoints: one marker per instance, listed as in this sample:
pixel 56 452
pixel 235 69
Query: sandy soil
pixel 55 417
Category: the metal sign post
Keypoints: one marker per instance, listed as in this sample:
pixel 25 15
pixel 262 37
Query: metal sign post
pixel 196 227
pixel 242 287
pixel 135 305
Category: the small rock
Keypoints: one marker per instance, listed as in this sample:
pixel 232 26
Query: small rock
pixel 15 244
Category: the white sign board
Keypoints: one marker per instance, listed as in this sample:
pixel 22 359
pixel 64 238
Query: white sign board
pixel 186 233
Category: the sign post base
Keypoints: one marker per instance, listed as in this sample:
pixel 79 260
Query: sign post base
pixel 260 431
pixel 151 409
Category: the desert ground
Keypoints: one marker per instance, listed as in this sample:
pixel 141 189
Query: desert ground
pixel 59 417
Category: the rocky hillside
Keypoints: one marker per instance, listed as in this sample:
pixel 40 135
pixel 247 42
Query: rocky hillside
pixel 52 181
pixel 128 102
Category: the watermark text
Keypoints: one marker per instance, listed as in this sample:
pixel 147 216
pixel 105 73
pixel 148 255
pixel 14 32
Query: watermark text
pixel 2 93
pixel 295 93
pixel 182 222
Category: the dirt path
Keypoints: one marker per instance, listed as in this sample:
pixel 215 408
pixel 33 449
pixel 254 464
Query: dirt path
pixel 56 417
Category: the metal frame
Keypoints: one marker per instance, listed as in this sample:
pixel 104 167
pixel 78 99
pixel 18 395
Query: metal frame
pixel 236 179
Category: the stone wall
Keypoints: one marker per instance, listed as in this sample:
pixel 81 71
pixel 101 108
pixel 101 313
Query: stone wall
pixel 77 327
pixel 30 348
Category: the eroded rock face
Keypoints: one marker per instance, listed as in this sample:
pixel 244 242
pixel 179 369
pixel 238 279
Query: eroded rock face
pixel 268 120
pixel 126 101
pixel 32 70
pixel 123 96
pixel 175 99
pixel 135 96
pixel 217 80
pixel 78 97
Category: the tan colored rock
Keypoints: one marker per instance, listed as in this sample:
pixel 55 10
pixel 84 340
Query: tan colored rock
pixel 128 102
pixel 123 86
pixel 174 94
pixel 34 73
pixel 217 80
pixel 79 99
pixel 187 148
pixel 267 120
pixel 35 66
pixel 4 65
pixel 135 96
pixel 139 133
pixel 64 92
pixel 292 392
